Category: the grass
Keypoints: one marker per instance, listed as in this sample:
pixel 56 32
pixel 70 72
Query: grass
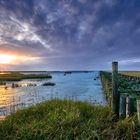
pixel 15 76
pixel 132 73
pixel 106 80
pixel 128 83
pixel 67 120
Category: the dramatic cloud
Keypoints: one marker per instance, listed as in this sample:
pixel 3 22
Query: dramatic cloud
pixel 71 34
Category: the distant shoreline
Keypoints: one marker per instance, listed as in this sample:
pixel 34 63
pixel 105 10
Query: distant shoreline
pixel 18 76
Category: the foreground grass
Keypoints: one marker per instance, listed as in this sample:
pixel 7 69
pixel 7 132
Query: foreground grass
pixel 67 120
pixel 15 76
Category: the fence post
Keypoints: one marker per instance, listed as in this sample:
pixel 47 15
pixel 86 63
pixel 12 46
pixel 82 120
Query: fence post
pixel 115 93
pixel 138 110
pixel 123 106
pixel 129 106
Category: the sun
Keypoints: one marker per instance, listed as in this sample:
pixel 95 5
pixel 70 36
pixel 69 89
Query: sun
pixel 6 59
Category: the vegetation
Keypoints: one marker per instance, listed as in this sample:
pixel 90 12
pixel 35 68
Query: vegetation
pixel 127 84
pixel 66 120
pixel 16 76
pixel 106 83
pixel 131 73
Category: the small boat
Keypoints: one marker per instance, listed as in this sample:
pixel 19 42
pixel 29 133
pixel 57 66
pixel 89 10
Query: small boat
pixel 67 72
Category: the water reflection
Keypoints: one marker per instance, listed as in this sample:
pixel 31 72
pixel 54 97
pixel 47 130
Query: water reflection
pixel 76 86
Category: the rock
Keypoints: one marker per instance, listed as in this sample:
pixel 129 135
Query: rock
pixel 2 83
pixel 6 87
pixel 15 85
pixel 31 85
pixel 49 84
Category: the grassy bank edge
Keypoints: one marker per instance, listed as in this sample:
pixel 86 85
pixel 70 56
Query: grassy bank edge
pixel 57 119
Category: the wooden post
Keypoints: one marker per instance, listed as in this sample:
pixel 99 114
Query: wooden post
pixel 130 106
pixel 127 114
pixel 123 106
pixel 115 93
pixel 138 110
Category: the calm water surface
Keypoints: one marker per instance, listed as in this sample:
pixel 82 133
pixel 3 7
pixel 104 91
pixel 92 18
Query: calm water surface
pixel 77 86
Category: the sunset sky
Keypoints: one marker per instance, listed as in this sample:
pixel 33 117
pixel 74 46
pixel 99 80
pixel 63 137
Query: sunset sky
pixel 69 34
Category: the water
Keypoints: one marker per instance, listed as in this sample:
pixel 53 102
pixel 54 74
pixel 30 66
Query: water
pixel 77 86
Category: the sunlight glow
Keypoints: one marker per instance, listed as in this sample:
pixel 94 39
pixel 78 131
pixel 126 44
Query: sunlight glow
pixel 6 59
pixel 16 59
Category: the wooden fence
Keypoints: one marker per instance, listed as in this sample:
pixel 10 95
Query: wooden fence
pixel 124 105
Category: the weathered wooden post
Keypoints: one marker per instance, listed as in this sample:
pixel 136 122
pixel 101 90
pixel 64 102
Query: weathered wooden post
pixel 123 106
pixel 138 110
pixel 130 106
pixel 115 93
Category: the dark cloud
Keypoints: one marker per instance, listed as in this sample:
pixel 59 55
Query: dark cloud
pixel 72 34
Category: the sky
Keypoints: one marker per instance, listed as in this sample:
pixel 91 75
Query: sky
pixel 70 34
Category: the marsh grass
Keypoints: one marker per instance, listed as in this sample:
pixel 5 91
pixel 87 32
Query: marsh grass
pixel 132 73
pixel 67 120
pixel 16 76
